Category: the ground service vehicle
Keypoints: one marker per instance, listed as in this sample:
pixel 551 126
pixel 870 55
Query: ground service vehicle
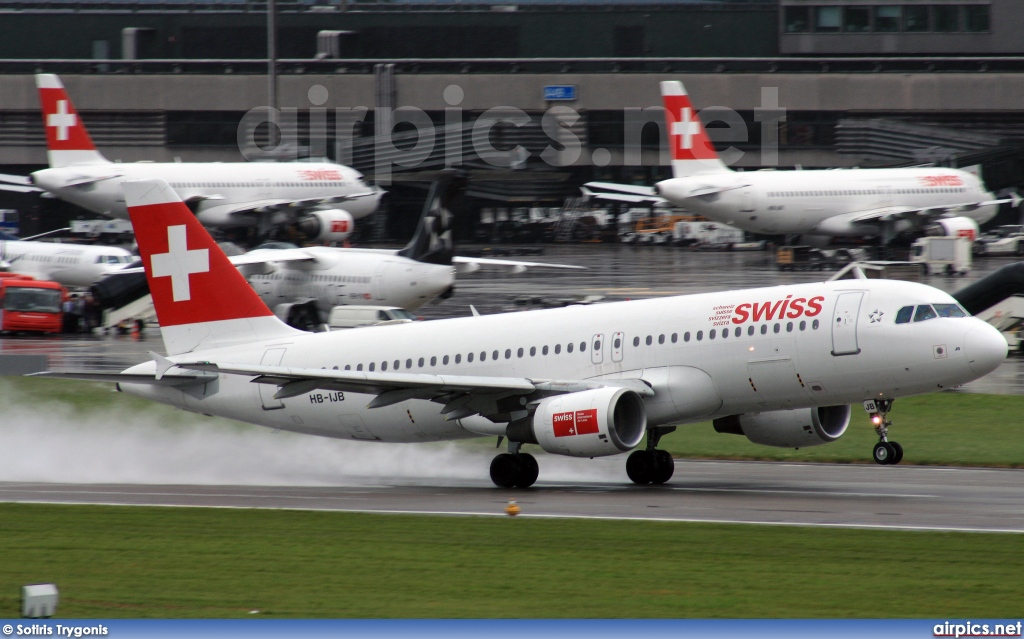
pixel 29 305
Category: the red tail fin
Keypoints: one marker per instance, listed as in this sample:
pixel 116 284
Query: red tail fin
pixel 201 299
pixel 692 150
pixel 67 141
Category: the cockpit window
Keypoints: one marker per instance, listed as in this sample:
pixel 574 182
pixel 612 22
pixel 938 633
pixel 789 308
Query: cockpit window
pixel 924 312
pixel 904 315
pixel 950 310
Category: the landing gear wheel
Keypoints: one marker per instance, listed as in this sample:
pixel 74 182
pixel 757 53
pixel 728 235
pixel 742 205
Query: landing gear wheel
pixel 504 470
pixel 897 450
pixel 528 470
pixel 664 466
pixel 884 453
pixel 640 467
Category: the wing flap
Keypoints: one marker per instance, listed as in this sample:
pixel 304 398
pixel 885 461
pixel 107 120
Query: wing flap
pixel 179 380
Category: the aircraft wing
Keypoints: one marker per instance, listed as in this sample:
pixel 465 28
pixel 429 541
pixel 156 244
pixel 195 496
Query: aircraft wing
pixel 888 213
pixel 463 395
pixel 188 378
pixel 515 264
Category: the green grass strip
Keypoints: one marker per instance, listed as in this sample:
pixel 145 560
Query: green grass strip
pixel 184 562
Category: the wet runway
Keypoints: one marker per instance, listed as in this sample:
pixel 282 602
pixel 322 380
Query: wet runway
pixel 897 497
pixel 614 272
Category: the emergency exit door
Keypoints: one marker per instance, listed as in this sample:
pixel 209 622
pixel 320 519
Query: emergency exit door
pixel 844 324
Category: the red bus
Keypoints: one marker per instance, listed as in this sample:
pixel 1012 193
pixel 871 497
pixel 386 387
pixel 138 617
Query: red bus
pixel 29 305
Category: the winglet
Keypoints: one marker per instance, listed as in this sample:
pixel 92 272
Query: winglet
pixel 692 150
pixel 67 140
pixel 201 300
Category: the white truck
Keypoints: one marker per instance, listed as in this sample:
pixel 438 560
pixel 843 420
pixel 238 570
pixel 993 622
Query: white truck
pixel 943 255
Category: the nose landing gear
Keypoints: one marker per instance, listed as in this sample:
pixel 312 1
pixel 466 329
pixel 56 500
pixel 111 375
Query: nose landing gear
pixel 885 452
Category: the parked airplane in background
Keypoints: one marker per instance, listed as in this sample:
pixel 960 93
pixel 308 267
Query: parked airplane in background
pixel 321 199
pixel 844 202
pixel 303 285
pixel 69 264
pixel 780 365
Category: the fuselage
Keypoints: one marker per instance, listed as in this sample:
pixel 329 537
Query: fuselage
pixel 824 202
pixel 351 277
pixel 755 350
pixel 218 187
pixel 69 264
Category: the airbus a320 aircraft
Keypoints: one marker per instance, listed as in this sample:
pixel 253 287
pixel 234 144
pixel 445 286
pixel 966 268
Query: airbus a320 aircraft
pixel 69 264
pixel 840 202
pixel 321 199
pixel 780 365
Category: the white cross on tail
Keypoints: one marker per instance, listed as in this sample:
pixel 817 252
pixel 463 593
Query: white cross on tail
pixel 179 262
pixel 62 120
pixel 686 128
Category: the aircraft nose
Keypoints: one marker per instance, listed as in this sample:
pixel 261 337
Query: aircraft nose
pixel 986 348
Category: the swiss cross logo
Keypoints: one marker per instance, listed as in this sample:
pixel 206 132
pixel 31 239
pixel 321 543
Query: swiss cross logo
pixel 339 226
pixel 579 422
pixel 62 120
pixel 688 139
pixel 178 263
pixel 685 128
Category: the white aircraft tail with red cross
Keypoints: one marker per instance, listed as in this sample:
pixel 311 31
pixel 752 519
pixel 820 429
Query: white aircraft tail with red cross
pixel 201 299
pixel 692 150
pixel 67 141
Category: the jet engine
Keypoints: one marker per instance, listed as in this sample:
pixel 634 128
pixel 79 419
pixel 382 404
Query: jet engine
pixel 954 227
pixel 331 225
pixel 593 423
pixel 789 428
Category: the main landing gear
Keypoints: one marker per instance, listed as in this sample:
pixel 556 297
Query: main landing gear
pixel 514 469
pixel 885 451
pixel 651 466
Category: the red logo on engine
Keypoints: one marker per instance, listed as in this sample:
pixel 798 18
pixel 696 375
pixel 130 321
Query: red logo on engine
pixel 339 226
pixel 320 174
pixel 580 422
pixel 789 308
pixel 941 180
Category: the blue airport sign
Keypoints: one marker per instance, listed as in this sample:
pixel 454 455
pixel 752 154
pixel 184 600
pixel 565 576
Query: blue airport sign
pixel 560 92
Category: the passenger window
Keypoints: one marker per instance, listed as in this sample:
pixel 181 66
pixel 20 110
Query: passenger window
pixel 383 366
pixel 597 345
pixel 444 360
pixel 764 329
pixel 650 340
pixel 616 344
pixel 949 310
pixel 636 341
pixel 700 335
pixel 725 333
pixel 803 325
pixel 568 347
pixel 494 355
pixel 686 336
pixel 750 330
pixel 483 356
pixel 675 337
pixel 519 352
pixel 583 346
pixel 904 315
pixel 420 362
pixel 359 367
pixel 815 324
pixel 777 328
pixel 469 358
pixel 348 367
pixel 508 353
pixel 924 312
pixel 558 348
pixel 372 366
pixel 738 331
pixel 661 339
pixel 533 351
pixel 458 358
pixel 711 334
pixel 433 361
pixel 789 327
pixel 408 363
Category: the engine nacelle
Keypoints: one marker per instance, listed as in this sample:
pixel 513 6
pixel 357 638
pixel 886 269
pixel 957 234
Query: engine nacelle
pixel 954 227
pixel 789 428
pixel 593 423
pixel 331 225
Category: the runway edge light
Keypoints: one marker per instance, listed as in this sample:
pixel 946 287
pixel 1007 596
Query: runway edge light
pixel 38 600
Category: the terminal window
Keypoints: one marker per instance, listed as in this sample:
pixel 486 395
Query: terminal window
pixel 915 18
pixel 827 19
pixel 947 18
pixel 976 17
pixel 887 19
pixel 857 19
pixel 797 19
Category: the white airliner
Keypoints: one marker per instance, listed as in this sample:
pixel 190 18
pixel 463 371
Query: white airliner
pixel 841 202
pixel 321 198
pixel 780 365
pixel 69 264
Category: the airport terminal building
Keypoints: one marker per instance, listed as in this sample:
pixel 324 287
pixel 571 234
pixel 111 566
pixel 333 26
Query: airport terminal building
pixel 571 87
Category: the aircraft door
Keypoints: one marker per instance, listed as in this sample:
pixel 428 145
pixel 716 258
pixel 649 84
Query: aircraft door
pixel 597 349
pixel 748 203
pixel 617 347
pixel 272 357
pixel 844 324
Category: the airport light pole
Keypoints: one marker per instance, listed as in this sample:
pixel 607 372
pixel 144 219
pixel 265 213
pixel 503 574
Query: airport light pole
pixel 272 71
